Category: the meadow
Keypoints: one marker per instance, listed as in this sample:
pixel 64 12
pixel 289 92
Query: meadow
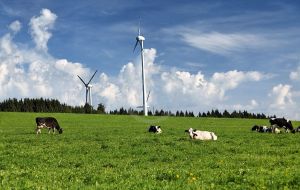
pixel 117 152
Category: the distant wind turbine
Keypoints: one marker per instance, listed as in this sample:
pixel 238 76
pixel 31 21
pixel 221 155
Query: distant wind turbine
pixel 88 90
pixel 140 40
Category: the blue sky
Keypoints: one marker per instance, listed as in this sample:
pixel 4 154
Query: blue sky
pixel 201 55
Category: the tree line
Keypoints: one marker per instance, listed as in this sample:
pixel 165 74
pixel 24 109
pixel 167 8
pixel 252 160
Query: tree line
pixel 54 106
pixel 46 105
pixel 212 113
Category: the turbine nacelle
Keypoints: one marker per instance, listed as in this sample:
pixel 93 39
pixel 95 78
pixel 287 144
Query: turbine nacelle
pixel 140 38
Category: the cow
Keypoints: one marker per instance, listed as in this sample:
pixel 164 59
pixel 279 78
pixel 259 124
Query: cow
pixel 201 135
pixel 282 123
pixel 261 129
pixel 155 129
pixel 255 128
pixel 47 122
pixel 297 130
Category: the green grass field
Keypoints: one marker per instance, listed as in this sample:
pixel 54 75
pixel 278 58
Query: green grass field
pixel 117 152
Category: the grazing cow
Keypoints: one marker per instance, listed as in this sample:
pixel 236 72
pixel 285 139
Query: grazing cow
pixel 47 122
pixel 155 129
pixel 201 135
pixel 297 130
pixel 282 123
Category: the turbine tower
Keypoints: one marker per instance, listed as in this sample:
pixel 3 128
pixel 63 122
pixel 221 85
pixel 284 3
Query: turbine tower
pixel 88 90
pixel 140 40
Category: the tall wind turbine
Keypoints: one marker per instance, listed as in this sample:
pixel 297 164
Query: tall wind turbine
pixel 140 40
pixel 88 90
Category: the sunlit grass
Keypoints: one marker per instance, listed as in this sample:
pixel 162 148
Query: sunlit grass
pixel 117 152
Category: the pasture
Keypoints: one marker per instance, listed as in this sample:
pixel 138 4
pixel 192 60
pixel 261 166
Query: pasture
pixel 117 152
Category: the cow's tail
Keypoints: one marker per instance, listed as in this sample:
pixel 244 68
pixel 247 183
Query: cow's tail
pixel 214 137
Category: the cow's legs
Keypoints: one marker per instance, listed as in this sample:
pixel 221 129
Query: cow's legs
pixel 38 130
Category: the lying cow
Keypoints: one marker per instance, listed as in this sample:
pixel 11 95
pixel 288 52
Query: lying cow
pixel 282 123
pixel 265 129
pixel 155 129
pixel 201 135
pixel 297 130
pixel 261 129
pixel 47 122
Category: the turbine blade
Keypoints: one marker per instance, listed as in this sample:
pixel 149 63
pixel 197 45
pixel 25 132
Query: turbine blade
pixel 148 95
pixel 135 45
pixel 139 30
pixel 92 77
pixel 82 80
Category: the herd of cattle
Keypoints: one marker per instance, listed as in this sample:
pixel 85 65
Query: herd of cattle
pixel 277 124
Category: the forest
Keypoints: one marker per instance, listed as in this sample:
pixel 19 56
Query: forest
pixel 54 106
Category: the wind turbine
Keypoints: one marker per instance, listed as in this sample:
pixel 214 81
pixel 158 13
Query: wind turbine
pixel 140 40
pixel 88 90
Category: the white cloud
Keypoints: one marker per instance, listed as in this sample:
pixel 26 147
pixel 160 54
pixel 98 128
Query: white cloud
pixel 40 27
pixel 15 26
pixel 220 43
pixel 253 104
pixel 26 72
pixel 281 96
pixel 170 89
pixel 6 45
pixel 231 79
pixel 284 101
pixel 72 69
pixel 295 75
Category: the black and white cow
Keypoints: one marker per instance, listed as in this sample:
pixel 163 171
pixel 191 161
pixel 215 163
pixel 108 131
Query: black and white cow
pixel 255 128
pixel 261 129
pixel 281 123
pixel 155 129
pixel 297 130
pixel 47 122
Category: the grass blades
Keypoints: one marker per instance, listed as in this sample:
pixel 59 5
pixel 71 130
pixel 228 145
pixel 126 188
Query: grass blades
pixel 117 152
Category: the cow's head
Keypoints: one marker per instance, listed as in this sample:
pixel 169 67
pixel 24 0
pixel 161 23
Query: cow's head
pixel 190 130
pixel 158 129
pixel 60 131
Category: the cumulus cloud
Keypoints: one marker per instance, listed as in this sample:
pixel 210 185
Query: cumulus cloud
pixel 220 43
pixel 284 101
pixel 281 96
pixel 231 79
pixel 253 104
pixel 171 89
pixel 40 26
pixel 295 75
pixel 15 26
pixel 25 72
